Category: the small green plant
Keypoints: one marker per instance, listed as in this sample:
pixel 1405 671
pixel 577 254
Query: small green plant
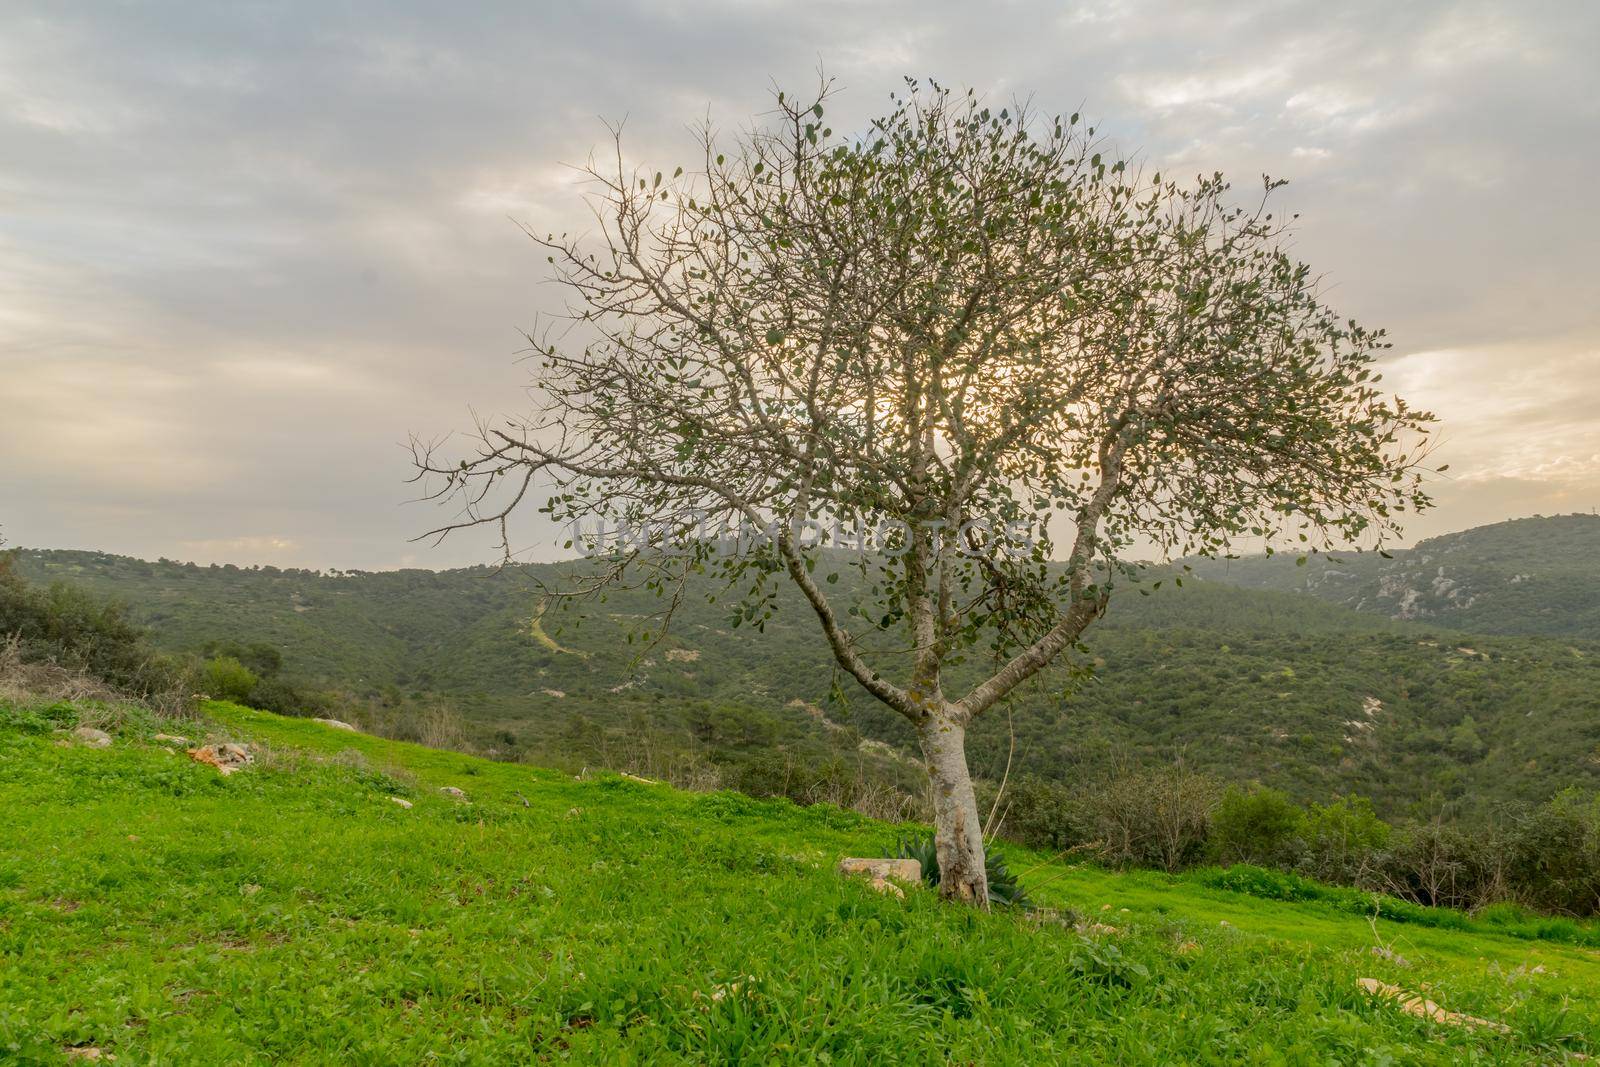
pixel 1004 888
pixel 1261 882
pixel 1103 963
pixel 40 719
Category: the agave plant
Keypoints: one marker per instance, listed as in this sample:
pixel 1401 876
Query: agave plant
pixel 1004 889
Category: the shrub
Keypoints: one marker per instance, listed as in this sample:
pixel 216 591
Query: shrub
pixel 1261 882
pixel 1342 841
pixel 1441 865
pixel 1553 855
pixel 1157 818
pixel 276 695
pixel 65 627
pixel 264 660
pixel 1256 826
pixel 1043 814
pixel 225 678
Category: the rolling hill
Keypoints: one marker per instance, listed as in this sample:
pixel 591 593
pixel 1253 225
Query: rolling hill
pixel 1526 576
pixel 1239 674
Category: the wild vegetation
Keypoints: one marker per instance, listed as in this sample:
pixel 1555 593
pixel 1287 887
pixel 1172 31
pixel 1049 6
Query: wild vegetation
pixel 1543 857
pixel 1536 848
pixel 294 912
pixel 654 924
pixel 1250 686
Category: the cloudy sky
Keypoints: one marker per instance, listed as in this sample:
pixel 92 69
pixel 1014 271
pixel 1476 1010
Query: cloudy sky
pixel 246 249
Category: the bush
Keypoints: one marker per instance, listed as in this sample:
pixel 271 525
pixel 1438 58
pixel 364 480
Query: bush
pixel 1046 815
pixel 1256 826
pixel 66 627
pixel 1553 855
pixel 1261 882
pixel 1157 818
pixel 1342 842
pixel 276 695
pixel 1444 866
pixel 264 660
pixel 225 678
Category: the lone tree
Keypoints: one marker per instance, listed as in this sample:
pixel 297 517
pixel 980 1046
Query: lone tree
pixel 966 339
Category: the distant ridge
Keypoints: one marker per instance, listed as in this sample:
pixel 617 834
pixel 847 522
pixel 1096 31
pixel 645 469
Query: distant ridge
pixel 1537 575
pixel 1466 669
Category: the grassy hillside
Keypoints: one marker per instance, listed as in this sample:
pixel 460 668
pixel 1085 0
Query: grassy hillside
pixel 1526 576
pixel 293 912
pixel 1313 697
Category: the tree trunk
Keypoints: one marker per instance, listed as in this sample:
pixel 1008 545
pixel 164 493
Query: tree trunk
pixel 958 831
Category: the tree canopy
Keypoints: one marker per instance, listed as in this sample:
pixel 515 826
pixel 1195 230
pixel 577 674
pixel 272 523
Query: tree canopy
pixel 968 338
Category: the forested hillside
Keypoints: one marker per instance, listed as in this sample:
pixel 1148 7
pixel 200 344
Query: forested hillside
pixel 1310 696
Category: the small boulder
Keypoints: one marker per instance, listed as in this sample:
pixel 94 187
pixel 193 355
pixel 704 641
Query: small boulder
pixel 1423 1008
pixel 882 870
pixel 88 735
pixel 171 739
pixel 402 801
pixel 452 791
pixel 226 758
pixel 338 724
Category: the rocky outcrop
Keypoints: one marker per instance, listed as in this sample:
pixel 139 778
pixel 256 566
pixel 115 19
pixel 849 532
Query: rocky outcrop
pixel 338 724
pixel 226 758
pixel 884 872
pixel 88 735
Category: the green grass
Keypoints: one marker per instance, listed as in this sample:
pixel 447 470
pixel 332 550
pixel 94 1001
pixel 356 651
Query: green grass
pixel 293 912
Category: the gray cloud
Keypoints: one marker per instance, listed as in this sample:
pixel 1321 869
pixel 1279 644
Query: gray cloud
pixel 245 250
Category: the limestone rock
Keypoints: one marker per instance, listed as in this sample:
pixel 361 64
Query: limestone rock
pixel 882 870
pixel 338 724
pixel 452 791
pixel 402 801
pixel 226 758
pixel 88 735
pixel 171 739
pixel 1423 1008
